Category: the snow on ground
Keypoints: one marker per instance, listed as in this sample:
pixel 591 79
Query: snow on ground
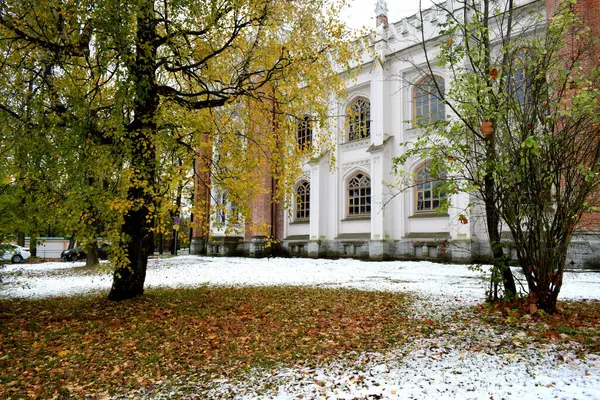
pixel 456 365
pixel 426 370
pixel 433 280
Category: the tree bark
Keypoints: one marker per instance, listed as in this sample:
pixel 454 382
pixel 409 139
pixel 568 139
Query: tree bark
pixel 91 252
pixel 545 278
pixel 21 239
pixel 160 243
pixel 500 266
pixel 33 245
pixel 128 280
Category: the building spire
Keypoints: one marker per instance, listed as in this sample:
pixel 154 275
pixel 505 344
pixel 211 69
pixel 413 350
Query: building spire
pixel 381 10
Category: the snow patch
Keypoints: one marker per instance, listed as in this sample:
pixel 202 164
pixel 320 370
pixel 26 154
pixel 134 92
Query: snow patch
pixel 458 365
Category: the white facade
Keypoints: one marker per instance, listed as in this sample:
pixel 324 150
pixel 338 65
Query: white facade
pixel 394 228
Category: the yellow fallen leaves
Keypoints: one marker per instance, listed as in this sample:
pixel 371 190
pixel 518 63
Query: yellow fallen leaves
pixel 88 342
pixel 63 353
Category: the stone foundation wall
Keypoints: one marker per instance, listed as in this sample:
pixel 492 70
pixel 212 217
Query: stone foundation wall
pixel 584 251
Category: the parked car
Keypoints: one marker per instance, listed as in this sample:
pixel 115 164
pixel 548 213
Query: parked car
pixel 79 253
pixel 14 253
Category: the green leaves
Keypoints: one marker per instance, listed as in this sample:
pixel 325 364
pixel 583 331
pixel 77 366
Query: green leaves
pixel 105 106
pixel 524 130
pixel 531 143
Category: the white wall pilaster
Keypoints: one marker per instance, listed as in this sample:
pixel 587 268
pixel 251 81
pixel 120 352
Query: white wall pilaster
pixel 377 210
pixel 377 104
pixel 315 202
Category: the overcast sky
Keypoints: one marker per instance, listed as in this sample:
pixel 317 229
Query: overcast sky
pixel 362 12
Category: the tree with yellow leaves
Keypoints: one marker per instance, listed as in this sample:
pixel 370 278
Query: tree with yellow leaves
pixel 99 93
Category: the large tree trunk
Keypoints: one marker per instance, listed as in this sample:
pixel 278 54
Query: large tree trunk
pixel 33 245
pixel 128 280
pixel 21 239
pixel 545 274
pixel 91 252
pixel 160 243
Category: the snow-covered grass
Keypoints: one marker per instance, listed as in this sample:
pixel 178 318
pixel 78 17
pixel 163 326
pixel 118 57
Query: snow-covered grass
pixel 466 362
pixel 427 369
pixel 426 278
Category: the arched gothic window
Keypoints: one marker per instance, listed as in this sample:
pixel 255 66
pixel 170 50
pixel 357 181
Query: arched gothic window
pixel 304 132
pixel 303 201
pixel 359 195
pixel 428 104
pixel 359 119
pixel 428 194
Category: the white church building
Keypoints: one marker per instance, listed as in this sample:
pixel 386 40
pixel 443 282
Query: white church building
pixel 349 210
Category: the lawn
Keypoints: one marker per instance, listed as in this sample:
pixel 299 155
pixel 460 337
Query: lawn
pixel 222 328
pixel 87 345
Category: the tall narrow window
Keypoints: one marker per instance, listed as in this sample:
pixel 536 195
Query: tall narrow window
pixel 359 195
pixel 303 201
pixel 304 135
pixel 234 214
pixel 222 204
pixel 518 79
pixel 428 104
pixel 428 191
pixel 359 120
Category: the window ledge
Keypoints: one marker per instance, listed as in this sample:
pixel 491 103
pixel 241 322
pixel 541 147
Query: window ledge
pixel 303 238
pixel 353 236
pixel 356 143
pixel 300 221
pixel 376 148
pixel 428 235
pixel 361 218
pixel 429 215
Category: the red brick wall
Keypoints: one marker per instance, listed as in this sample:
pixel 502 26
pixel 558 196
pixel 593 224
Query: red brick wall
pixel 591 221
pixel 202 188
pixel 266 209
pixel 590 12
pixel 588 9
pixel 261 204
pixel 280 214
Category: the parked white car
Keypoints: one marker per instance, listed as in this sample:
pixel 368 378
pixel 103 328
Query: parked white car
pixel 14 253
